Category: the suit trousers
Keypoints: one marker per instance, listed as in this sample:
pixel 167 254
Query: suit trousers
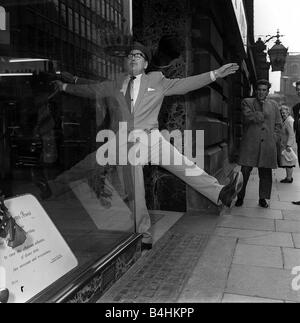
pixel 265 182
pixel 151 147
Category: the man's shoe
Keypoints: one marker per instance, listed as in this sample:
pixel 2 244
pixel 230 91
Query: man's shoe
pixel 45 191
pixel 296 203
pixel 230 191
pixel 287 181
pixel 4 295
pixel 239 202
pixel 263 203
pixel 146 246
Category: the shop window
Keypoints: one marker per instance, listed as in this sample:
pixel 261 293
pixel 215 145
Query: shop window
pixel 88 29
pixel 2 19
pixel 88 217
pixel 76 20
pixel 82 26
pixel 70 19
pixel 63 13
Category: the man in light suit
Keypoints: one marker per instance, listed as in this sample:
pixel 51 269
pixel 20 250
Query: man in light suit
pixel 139 97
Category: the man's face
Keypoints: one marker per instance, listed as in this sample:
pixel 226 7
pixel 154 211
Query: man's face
pixel 136 62
pixel 262 92
pixel 298 90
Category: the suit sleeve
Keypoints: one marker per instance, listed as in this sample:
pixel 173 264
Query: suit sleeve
pixel 250 115
pixel 89 91
pixel 278 123
pixel 185 85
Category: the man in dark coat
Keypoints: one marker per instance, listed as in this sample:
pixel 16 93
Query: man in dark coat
pixel 262 126
pixel 296 113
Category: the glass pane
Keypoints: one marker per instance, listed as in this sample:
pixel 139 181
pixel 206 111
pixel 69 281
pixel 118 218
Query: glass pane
pixel 48 138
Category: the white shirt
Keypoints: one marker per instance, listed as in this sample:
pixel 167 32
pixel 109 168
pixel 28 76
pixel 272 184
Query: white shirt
pixel 135 88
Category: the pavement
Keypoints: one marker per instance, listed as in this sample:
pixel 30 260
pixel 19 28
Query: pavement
pixel 248 254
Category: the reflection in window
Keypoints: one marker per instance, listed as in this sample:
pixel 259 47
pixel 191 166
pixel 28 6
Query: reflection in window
pixel 2 19
pixel 63 13
pixel 76 16
pixel 82 26
pixel 47 136
pixel 70 19
pixel 88 29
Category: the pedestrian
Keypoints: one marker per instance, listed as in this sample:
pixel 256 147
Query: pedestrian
pixel 288 145
pixel 141 96
pixel 296 116
pixel 262 126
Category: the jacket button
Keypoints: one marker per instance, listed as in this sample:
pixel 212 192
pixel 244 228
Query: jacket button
pixel 262 140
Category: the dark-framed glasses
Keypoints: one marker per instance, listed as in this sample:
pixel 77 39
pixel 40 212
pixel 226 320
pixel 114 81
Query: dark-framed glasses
pixel 136 55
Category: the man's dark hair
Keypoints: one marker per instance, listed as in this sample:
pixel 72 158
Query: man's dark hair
pixel 263 82
pixel 297 83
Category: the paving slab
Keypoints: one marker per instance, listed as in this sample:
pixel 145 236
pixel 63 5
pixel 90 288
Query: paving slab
pixel 287 226
pixel 291 258
pixel 262 282
pixel 289 196
pixel 262 256
pixel 231 298
pixel 239 222
pixel 253 237
pixel 274 205
pixel 209 278
pixel 257 213
pixel 291 215
pixel 296 239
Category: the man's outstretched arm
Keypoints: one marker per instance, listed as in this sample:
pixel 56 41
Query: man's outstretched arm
pixel 84 90
pixel 192 83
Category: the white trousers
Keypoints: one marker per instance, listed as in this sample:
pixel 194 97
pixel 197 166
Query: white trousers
pixel 155 148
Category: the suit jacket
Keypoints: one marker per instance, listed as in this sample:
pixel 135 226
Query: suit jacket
pixel 154 87
pixel 262 130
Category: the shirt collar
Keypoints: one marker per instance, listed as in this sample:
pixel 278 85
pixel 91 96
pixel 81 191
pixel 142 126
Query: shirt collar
pixel 137 77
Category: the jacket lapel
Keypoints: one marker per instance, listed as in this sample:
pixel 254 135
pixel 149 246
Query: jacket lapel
pixel 119 85
pixel 143 88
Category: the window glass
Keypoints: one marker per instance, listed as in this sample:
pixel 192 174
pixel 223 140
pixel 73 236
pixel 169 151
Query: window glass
pixel 2 18
pixel 48 138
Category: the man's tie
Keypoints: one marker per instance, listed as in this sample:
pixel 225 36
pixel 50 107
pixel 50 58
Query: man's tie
pixel 128 169
pixel 128 94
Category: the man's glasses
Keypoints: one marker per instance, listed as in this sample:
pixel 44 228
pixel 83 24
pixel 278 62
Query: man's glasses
pixel 136 55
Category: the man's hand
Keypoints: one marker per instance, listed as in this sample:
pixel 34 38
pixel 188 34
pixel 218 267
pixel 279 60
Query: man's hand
pixel 58 85
pixel 67 77
pixel 226 70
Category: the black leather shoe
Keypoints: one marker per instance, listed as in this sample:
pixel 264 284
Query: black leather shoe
pixel 4 295
pixel 263 203
pixel 287 181
pixel 296 203
pixel 239 202
pixel 230 191
pixel 146 246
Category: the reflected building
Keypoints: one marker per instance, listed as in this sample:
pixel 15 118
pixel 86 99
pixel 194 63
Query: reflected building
pixel 289 77
pixel 44 133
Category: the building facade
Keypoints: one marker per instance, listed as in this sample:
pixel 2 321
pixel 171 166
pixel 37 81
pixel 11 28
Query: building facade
pixel 289 77
pixel 206 35
pixel 44 135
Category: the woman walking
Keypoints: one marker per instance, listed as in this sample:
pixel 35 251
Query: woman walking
pixel 288 156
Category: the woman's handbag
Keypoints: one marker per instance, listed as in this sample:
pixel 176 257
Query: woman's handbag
pixel 290 156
